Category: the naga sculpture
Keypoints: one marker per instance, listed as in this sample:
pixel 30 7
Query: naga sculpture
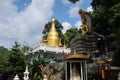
pixel 86 21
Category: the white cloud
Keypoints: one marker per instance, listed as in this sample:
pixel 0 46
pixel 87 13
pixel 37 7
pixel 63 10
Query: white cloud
pixel 73 12
pixel 26 25
pixel 89 9
pixel 78 24
pixel 66 26
pixel 7 10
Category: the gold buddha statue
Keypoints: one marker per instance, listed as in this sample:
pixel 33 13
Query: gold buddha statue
pixel 75 73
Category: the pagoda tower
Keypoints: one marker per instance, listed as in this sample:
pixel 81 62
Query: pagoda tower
pixel 53 36
pixel 53 43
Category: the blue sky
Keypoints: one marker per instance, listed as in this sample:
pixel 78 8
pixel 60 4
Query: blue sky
pixel 23 20
pixel 61 10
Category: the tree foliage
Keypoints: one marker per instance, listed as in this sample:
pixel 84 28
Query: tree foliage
pixel 16 60
pixel 69 34
pixel 34 69
pixel 3 58
pixel 106 18
pixel 116 55
pixel 13 61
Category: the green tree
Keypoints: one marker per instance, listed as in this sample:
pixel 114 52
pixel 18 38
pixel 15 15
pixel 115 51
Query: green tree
pixel 16 61
pixel 106 18
pixel 34 69
pixel 26 50
pixel 114 21
pixel 116 55
pixel 69 34
pixel 4 52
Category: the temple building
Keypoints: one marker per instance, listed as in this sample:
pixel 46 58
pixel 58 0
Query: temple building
pixel 76 66
pixel 53 42
pixel 79 50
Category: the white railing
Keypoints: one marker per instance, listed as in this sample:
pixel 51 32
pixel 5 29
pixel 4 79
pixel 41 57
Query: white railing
pixel 56 49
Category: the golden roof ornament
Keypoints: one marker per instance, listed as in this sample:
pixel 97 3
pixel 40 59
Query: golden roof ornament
pixel 74 52
pixel 53 37
pixel 88 51
pixel 64 45
pixel 60 44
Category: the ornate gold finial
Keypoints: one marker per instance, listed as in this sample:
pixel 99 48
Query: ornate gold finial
pixel 53 37
pixel 53 19
pixel 64 45
pixel 88 51
pixel 75 52
pixel 53 25
pixel 60 44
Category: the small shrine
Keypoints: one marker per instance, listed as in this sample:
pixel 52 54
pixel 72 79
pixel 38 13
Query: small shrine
pixel 76 66
pixel 103 69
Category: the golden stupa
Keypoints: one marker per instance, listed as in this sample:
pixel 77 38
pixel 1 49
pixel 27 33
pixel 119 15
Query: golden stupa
pixel 53 36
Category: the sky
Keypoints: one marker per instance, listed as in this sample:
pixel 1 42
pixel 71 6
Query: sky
pixel 24 20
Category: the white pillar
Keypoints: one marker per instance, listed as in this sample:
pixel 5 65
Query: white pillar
pixel 86 69
pixel 16 77
pixel 70 71
pixel 26 74
pixel 66 70
pixel 81 71
pixel 119 76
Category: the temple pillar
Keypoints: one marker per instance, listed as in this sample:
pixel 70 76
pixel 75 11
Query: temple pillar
pixel 81 70
pixel 70 71
pixel 66 70
pixel 85 70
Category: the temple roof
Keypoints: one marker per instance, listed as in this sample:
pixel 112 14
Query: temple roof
pixel 75 56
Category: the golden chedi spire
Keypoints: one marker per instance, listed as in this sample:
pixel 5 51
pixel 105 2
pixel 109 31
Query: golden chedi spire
pixel 74 52
pixel 53 37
